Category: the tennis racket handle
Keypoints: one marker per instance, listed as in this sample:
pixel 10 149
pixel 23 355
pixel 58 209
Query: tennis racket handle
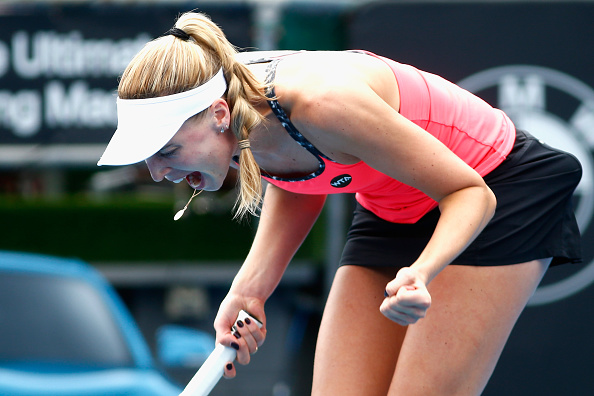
pixel 213 368
pixel 210 372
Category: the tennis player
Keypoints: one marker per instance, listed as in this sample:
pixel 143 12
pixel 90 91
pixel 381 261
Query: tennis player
pixel 458 216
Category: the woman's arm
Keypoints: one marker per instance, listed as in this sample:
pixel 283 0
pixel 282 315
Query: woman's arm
pixel 285 221
pixel 356 122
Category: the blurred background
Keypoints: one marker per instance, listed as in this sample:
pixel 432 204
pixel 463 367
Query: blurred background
pixel 59 68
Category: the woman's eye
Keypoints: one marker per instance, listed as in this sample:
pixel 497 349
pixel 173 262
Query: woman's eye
pixel 167 153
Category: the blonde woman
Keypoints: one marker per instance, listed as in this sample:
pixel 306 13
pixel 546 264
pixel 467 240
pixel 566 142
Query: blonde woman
pixel 459 215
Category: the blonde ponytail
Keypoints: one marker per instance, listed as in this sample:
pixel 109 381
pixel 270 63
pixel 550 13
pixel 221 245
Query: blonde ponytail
pixel 169 65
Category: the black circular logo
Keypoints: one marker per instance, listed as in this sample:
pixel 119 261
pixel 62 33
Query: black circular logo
pixel 341 181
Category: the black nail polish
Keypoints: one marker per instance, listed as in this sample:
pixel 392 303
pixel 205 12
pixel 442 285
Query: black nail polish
pixel 248 321
pixel 386 293
pixel 237 335
pixel 235 346
pixel 240 323
pixel 229 366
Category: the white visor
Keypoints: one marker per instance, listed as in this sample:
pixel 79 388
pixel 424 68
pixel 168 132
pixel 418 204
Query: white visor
pixel 146 125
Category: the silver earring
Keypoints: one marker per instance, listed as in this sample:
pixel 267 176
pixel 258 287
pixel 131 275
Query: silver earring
pixel 223 128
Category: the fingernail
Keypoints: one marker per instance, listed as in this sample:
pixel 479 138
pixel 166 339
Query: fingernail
pixel 229 366
pixel 386 293
pixel 240 323
pixel 248 321
pixel 235 346
pixel 237 335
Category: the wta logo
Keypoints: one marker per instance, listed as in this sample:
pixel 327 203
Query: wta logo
pixel 341 181
pixel 559 110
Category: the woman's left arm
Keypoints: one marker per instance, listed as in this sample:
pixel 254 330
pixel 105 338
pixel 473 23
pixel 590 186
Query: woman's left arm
pixel 355 121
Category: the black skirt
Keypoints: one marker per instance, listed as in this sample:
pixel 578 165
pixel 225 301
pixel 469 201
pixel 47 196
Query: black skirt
pixel 534 218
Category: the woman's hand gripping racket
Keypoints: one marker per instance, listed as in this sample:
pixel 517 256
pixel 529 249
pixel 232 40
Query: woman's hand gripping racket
pixel 213 368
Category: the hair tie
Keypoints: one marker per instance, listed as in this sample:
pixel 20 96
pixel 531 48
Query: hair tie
pixel 177 32
pixel 244 144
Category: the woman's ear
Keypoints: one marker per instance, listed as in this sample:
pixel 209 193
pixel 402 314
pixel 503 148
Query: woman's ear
pixel 221 113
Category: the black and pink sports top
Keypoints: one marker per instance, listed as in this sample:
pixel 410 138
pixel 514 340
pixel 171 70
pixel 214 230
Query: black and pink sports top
pixel 479 134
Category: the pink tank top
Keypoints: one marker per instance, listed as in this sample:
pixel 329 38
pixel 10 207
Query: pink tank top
pixel 476 132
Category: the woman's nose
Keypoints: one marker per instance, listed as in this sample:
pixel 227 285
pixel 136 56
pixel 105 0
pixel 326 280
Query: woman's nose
pixel 156 170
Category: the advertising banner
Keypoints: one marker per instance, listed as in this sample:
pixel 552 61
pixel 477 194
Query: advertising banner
pixel 59 68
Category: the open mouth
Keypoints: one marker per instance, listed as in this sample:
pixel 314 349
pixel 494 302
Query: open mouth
pixel 194 179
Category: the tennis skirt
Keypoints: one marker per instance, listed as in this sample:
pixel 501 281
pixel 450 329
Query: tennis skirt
pixel 534 218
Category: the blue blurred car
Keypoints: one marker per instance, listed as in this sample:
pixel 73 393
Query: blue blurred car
pixel 65 332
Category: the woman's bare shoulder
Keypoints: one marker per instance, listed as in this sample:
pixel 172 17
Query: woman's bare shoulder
pixel 255 56
pixel 332 75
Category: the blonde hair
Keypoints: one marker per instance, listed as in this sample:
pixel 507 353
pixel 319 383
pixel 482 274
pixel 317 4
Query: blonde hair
pixel 169 65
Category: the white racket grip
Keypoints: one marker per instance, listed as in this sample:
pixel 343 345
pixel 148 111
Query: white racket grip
pixel 213 367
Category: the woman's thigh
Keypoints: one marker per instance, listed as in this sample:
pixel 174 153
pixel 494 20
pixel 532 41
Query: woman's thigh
pixel 454 349
pixel 357 346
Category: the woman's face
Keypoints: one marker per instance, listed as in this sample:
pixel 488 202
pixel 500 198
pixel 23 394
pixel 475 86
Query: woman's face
pixel 198 153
